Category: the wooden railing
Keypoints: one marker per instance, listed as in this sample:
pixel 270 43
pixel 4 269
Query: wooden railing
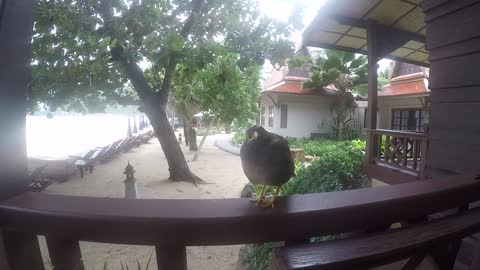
pixel 404 150
pixel 171 225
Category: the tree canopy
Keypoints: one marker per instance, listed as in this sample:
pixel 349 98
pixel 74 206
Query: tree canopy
pixel 88 54
pixel 76 42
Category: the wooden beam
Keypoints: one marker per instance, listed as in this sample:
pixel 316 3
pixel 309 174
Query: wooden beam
pixel 169 223
pixel 360 51
pixel 15 55
pixel 364 24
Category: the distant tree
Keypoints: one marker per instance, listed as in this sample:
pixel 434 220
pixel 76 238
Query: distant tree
pixel 86 53
pixel 344 70
pixel 224 91
pixel 383 78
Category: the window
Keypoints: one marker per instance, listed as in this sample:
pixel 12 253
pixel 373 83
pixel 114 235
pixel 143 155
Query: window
pixel 407 119
pixel 270 116
pixel 262 116
pixel 283 115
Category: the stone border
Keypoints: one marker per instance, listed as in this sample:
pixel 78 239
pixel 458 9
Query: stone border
pixel 227 145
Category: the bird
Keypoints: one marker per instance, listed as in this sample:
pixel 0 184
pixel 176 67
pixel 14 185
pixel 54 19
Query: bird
pixel 266 161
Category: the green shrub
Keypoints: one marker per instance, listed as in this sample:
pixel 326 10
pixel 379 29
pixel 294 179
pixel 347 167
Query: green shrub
pixel 239 137
pixel 339 167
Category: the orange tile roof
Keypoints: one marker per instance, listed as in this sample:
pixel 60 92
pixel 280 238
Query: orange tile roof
pixel 409 88
pixel 296 88
pixel 411 84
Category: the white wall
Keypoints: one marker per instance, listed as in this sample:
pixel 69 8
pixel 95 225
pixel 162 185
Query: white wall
pixel 305 115
pixel 387 104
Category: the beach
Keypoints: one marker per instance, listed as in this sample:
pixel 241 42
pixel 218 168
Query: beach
pixel 221 169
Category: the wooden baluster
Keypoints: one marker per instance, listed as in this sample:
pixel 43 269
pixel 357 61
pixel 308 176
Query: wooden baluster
pixel 423 158
pixel 65 254
pixel 368 150
pixel 415 154
pixel 22 251
pixel 387 154
pixel 171 257
pixel 405 151
pixel 379 147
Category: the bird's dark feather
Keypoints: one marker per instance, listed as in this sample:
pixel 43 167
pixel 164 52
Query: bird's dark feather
pixel 267 159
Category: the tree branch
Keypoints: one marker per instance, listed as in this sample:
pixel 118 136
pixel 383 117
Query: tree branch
pixel 172 59
pixel 131 69
pixel 137 78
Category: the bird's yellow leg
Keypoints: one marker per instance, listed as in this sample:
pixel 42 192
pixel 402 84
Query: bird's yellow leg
pixel 272 201
pixel 262 195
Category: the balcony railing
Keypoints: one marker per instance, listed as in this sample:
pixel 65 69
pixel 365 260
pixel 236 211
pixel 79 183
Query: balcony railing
pixel 402 150
pixel 171 225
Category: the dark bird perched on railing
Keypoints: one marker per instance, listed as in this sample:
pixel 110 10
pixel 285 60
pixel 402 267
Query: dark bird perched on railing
pixel 266 160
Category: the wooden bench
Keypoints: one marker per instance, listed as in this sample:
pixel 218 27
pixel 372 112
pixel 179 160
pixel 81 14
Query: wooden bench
pixel 439 239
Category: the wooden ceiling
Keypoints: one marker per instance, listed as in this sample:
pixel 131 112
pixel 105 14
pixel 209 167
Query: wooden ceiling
pixel 341 24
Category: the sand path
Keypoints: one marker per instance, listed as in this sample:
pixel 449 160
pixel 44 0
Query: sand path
pixel 216 166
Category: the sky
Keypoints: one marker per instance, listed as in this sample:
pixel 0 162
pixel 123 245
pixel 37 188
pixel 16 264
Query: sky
pixel 281 10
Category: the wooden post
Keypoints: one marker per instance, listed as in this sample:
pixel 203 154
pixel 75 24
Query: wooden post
pixel 171 257
pixel 22 251
pixel 65 254
pixel 372 52
pixel 16 30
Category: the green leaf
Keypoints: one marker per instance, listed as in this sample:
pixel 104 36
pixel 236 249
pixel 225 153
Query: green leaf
pixel 105 42
pixel 174 42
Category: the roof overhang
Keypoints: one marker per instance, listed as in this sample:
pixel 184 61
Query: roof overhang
pixel 343 25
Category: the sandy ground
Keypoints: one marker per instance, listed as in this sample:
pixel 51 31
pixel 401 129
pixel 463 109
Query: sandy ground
pixel 221 168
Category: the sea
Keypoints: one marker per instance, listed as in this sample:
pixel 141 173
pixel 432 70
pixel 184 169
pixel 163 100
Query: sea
pixel 61 136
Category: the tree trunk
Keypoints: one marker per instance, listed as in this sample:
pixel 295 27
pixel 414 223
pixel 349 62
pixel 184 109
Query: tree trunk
pixel 204 138
pixel 341 115
pixel 341 125
pixel 186 134
pixel 177 164
pixel 193 139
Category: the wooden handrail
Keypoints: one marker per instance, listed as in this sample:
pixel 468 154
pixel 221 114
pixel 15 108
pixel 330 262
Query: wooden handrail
pixel 229 221
pixel 397 133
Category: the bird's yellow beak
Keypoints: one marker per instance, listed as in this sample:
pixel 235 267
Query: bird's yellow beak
pixel 254 136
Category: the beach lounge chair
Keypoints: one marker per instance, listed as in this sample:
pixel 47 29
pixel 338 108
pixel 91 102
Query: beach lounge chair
pixel 37 181
pixel 58 169
pixel 89 163
pixel 125 145
pixel 141 139
pixel 82 162
pixel 111 152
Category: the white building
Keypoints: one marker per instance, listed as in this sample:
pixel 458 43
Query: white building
pixel 290 111
pixel 403 104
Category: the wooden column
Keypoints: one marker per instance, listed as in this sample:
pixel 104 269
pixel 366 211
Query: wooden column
pixel 22 251
pixel 372 51
pixel 65 254
pixel 171 257
pixel 15 50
